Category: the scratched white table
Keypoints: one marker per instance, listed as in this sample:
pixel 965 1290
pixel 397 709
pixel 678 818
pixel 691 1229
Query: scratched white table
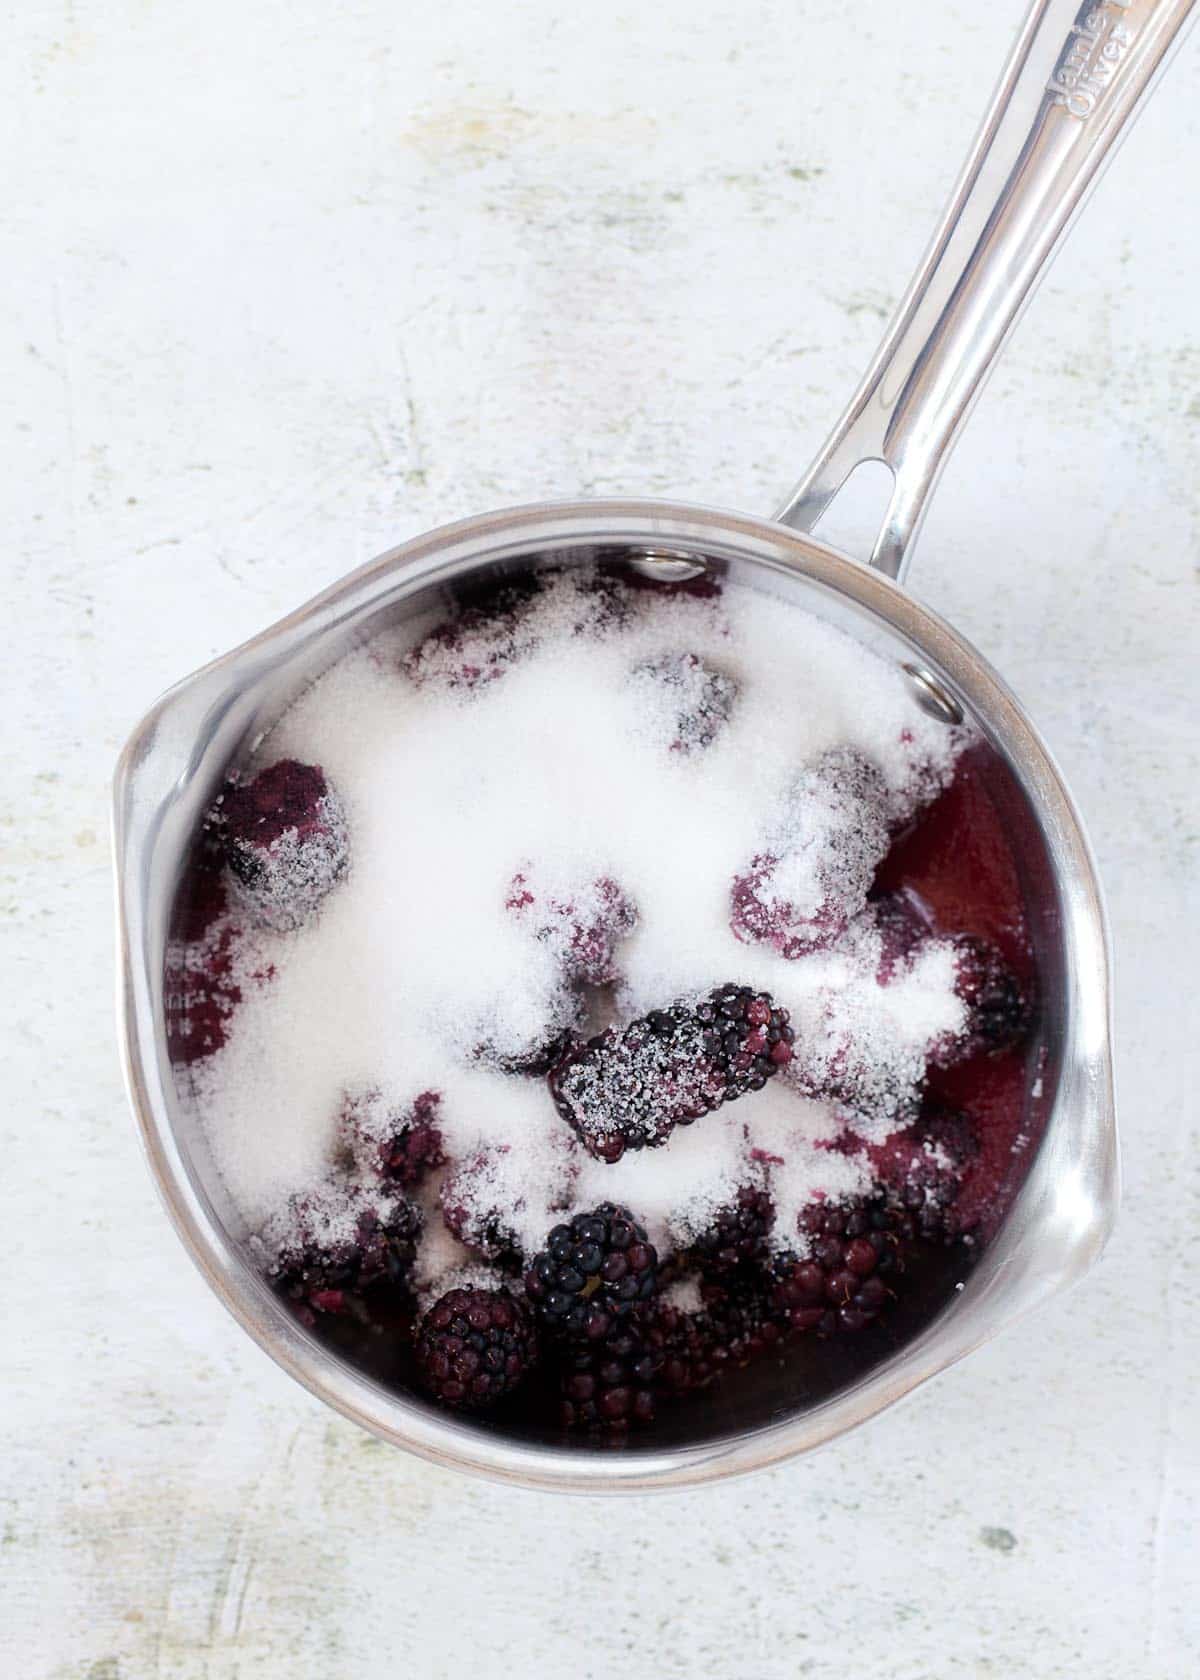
pixel 294 281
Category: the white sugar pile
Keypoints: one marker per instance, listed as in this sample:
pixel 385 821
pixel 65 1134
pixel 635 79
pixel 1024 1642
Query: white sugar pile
pixel 542 750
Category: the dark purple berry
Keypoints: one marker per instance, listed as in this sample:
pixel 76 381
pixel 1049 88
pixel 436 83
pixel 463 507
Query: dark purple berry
pixel 328 1277
pixel 609 1386
pixel 581 927
pixel 831 835
pixel 699 700
pixel 630 1087
pixel 415 1148
pixel 738 1234
pixel 474 1346
pixel 999 1010
pixel 285 840
pixel 840 1282
pixel 592 1272
pixel 470 1210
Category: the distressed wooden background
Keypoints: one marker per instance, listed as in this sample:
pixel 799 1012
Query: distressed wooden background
pixel 289 282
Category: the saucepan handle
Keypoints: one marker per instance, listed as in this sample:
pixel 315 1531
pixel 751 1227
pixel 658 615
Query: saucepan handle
pixel 1073 82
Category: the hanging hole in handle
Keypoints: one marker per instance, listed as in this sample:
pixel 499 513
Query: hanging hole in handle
pixel 859 507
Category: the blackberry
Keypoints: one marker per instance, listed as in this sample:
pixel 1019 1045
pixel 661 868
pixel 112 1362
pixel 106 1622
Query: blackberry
pixel 581 925
pixel 469 1198
pixel 742 1324
pixel 378 1139
pixel 507 1037
pixel 415 1148
pixel 685 1345
pixel 487 638
pixel 609 1386
pixel 735 1326
pixel 799 893
pixel 331 1276
pixel 201 992
pixel 738 1234
pixel 923 1167
pixel 474 1346
pixel 903 923
pixel 592 1273
pixel 499 626
pixel 629 1088
pixel 841 1282
pixel 699 700
pixel 285 839
pixel 999 1010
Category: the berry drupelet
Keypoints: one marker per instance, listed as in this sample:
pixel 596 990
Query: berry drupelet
pixel 474 1346
pixel 592 1272
pixel 629 1088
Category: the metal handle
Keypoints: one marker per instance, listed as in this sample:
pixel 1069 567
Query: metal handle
pixel 1073 81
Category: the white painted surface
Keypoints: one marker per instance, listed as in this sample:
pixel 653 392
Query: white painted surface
pixel 296 281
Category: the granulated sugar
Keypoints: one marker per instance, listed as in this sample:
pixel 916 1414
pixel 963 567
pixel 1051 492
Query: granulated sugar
pixel 619 757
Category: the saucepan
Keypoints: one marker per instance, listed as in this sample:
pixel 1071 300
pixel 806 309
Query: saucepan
pixel 1072 83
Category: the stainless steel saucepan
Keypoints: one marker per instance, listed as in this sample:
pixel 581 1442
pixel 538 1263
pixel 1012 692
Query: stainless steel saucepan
pixel 1074 80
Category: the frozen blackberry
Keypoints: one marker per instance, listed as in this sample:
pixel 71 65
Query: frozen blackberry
pixel 285 839
pixel 492 1196
pixel 799 893
pixel 999 1009
pixel 738 1323
pixel 474 1346
pixel 693 701
pixel 609 1386
pixel 581 925
pixel 592 1273
pixel 629 1088
pixel 738 1234
pixel 859 1053
pixel 327 1276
